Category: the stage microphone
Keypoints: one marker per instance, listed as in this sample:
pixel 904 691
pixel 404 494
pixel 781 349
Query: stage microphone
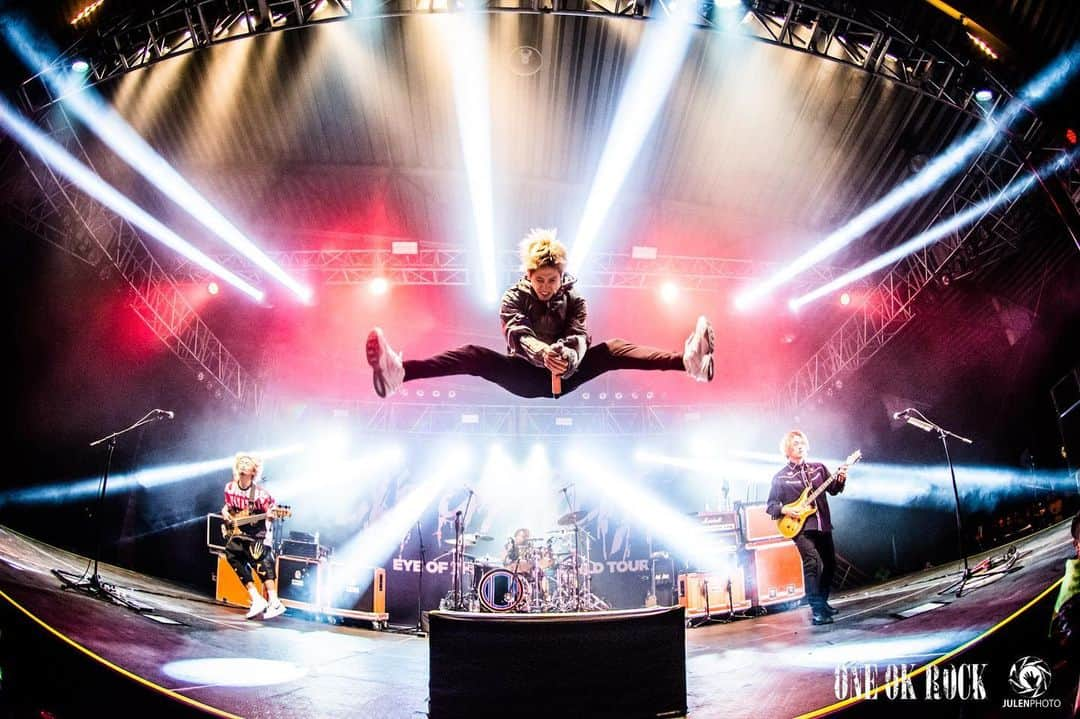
pixel 902 414
pixel 920 424
pixel 167 413
pixel 563 489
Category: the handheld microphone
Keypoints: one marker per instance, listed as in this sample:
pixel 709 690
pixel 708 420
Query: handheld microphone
pixel 902 414
pixel 563 489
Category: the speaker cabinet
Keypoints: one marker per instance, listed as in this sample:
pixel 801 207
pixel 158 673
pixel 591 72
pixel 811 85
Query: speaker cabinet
pixel 776 574
pixel 229 588
pixel 355 591
pixel 617 665
pixel 694 588
pixel 756 524
pixel 299 581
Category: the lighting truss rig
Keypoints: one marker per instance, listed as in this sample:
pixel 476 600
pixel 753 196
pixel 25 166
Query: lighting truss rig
pixel 872 43
pixel 451 266
pixel 532 420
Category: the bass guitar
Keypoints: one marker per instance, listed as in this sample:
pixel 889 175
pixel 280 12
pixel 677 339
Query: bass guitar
pixel 804 507
pixel 232 527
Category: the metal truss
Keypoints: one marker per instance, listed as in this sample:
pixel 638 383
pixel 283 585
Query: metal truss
pixel 872 44
pixel 536 420
pixel 890 306
pixel 449 266
pixel 62 215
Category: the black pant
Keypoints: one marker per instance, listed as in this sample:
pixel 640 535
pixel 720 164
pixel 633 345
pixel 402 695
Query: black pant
pixel 238 554
pixel 819 563
pixel 518 376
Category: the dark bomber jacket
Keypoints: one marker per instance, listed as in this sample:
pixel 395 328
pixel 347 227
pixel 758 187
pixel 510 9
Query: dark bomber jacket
pixel 563 317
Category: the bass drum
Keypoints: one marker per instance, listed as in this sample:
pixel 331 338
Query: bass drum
pixel 501 590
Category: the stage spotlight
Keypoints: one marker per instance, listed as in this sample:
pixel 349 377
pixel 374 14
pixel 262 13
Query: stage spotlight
pixel 466 47
pixel 63 162
pixel 656 62
pixel 845 299
pixel 669 292
pixel 379 286
pixel 649 395
pixel 419 393
pixel 1070 136
pixel 86 11
pixel 955 159
pixel 602 395
pixel 213 288
pixel 100 118
pixel 943 229
pixel 585 395
pixel 80 66
pixel 984 96
pixel 451 394
pixel 618 395
pixel 436 393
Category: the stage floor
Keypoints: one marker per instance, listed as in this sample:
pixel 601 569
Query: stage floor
pixel 776 665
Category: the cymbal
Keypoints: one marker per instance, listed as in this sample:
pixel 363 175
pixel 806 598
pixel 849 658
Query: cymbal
pixel 572 518
pixel 469 539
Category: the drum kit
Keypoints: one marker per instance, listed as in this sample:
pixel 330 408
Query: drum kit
pixel 542 574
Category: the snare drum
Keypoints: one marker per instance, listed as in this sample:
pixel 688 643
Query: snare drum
pixel 501 591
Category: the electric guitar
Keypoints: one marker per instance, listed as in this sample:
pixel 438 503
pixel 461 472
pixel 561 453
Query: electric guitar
pixel 231 527
pixel 804 506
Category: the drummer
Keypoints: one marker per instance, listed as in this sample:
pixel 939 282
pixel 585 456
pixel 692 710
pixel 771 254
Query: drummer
pixel 518 555
pixel 533 557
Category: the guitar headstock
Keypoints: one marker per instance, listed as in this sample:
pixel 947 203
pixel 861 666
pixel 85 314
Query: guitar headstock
pixel 282 511
pixel 853 458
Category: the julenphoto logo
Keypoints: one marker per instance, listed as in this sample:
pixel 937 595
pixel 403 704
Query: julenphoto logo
pixel 1029 677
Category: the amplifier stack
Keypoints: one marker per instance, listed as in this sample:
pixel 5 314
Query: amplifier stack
pixel 764 569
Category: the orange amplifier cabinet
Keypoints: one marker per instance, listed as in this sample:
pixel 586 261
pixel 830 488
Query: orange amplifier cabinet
pixel 692 592
pixel 776 573
pixel 229 588
pixel 356 591
pixel 756 524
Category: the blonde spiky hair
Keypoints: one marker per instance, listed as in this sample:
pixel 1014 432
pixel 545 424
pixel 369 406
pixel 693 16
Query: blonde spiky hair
pixel 245 458
pixel 541 249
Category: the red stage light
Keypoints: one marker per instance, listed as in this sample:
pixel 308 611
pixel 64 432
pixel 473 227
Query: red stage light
pixel 213 288
pixel 379 286
pixel 845 299
pixel 1070 136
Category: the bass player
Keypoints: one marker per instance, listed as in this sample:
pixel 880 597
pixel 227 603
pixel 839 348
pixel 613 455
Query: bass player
pixel 251 547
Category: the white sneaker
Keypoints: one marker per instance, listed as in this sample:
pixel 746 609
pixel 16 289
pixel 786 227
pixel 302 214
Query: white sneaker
pixel 274 610
pixel 385 362
pixel 698 351
pixel 257 607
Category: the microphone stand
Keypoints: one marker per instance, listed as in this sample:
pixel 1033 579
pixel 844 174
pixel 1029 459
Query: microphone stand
pixel 93 585
pixel 917 419
pixel 574 553
pixel 460 520
pixel 418 630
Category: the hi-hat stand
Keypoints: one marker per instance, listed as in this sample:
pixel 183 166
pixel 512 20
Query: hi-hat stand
pixel 93 585
pixel 986 568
